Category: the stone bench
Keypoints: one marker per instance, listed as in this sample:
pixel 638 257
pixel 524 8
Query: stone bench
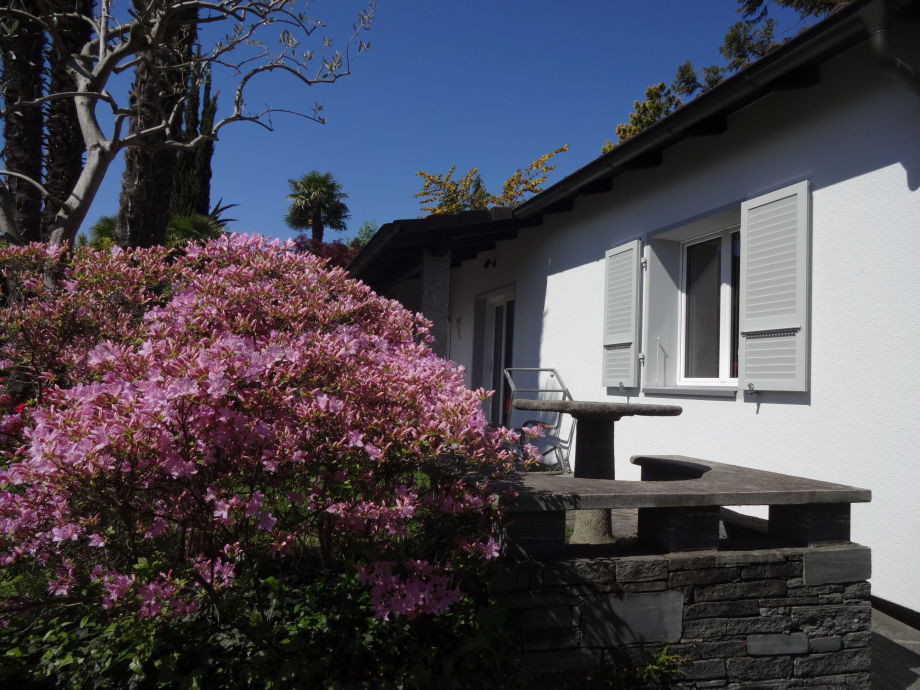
pixel 679 501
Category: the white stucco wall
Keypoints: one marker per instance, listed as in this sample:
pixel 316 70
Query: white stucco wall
pixel 856 138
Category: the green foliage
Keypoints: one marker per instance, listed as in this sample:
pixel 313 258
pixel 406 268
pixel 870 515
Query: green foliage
pixel 685 80
pixel 285 634
pixel 443 194
pixel 365 233
pixel 659 102
pixel 756 10
pixel 317 202
pixel 745 42
pixel 179 230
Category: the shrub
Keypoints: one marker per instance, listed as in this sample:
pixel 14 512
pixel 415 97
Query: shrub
pixel 223 458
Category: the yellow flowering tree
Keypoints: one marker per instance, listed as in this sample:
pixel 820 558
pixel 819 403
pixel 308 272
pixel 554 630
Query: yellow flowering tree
pixel 441 193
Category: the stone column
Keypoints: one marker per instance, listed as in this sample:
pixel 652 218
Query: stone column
pixel 435 286
pixel 594 460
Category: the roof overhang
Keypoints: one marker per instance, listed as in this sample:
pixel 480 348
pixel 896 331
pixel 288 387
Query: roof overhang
pixel 393 254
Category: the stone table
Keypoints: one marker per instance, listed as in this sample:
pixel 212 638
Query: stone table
pixel 594 457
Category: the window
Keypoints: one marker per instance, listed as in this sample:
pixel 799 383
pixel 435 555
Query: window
pixel 722 303
pixel 708 307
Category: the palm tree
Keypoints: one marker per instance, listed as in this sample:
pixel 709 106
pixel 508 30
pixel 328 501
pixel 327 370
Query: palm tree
pixel 316 203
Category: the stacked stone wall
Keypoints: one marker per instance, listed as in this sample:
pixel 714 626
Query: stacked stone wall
pixel 773 618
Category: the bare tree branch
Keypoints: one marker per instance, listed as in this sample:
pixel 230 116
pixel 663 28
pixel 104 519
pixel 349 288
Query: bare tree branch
pixel 262 37
pixel 28 180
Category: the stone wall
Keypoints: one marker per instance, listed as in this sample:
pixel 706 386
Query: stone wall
pixel 768 618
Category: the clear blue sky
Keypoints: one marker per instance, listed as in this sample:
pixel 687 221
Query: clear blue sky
pixel 490 84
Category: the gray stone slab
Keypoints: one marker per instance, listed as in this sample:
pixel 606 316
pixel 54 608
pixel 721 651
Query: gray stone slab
pixel 773 645
pixel 650 617
pixel 581 409
pixel 825 645
pixel 680 529
pixel 815 523
pixel 721 485
pixel 850 564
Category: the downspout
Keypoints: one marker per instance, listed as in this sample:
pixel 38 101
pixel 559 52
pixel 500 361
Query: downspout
pixel 876 17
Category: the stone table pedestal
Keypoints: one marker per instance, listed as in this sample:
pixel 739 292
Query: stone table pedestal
pixel 594 457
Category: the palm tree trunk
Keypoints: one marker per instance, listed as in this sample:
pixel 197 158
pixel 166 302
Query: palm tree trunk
pixel 64 144
pixel 159 83
pixel 317 224
pixel 22 53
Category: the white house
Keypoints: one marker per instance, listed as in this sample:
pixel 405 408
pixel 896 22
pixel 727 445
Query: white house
pixel 754 258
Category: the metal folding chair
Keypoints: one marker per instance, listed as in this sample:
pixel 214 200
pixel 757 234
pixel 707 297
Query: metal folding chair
pixel 546 384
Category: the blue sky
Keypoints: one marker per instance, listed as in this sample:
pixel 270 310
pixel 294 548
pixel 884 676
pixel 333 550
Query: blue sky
pixel 490 84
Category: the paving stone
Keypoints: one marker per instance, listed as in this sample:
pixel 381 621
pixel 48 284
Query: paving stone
pixel 702 576
pixel 837 565
pixel 824 645
pixel 740 590
pixel 776 644
pixel 640 570
pixel 760 668
pixel 846 661
pixel 651 617
pixel 722 609
pixel 825 621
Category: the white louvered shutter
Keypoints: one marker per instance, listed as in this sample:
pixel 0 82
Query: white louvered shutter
pixel 774 291
pixel 621 316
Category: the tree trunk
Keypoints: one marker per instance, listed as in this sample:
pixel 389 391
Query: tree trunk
pixel 159 84
pixel 317 223
pixel 64 145
pixel 22 55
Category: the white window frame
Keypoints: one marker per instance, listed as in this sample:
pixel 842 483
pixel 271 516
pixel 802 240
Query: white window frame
pixel 725 311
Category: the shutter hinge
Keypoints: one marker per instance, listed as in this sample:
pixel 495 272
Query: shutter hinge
pixel 642 358
pixel 643 262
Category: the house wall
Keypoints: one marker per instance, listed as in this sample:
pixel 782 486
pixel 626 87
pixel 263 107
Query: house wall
pixel 856 138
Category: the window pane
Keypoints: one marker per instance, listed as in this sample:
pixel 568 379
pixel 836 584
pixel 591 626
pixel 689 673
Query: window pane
pixel 736 290
pixel 701 346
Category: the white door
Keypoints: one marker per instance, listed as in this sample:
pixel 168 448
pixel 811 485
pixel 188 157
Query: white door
pixel 497 344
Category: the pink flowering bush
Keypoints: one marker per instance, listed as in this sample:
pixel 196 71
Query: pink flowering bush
pixel 190 435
